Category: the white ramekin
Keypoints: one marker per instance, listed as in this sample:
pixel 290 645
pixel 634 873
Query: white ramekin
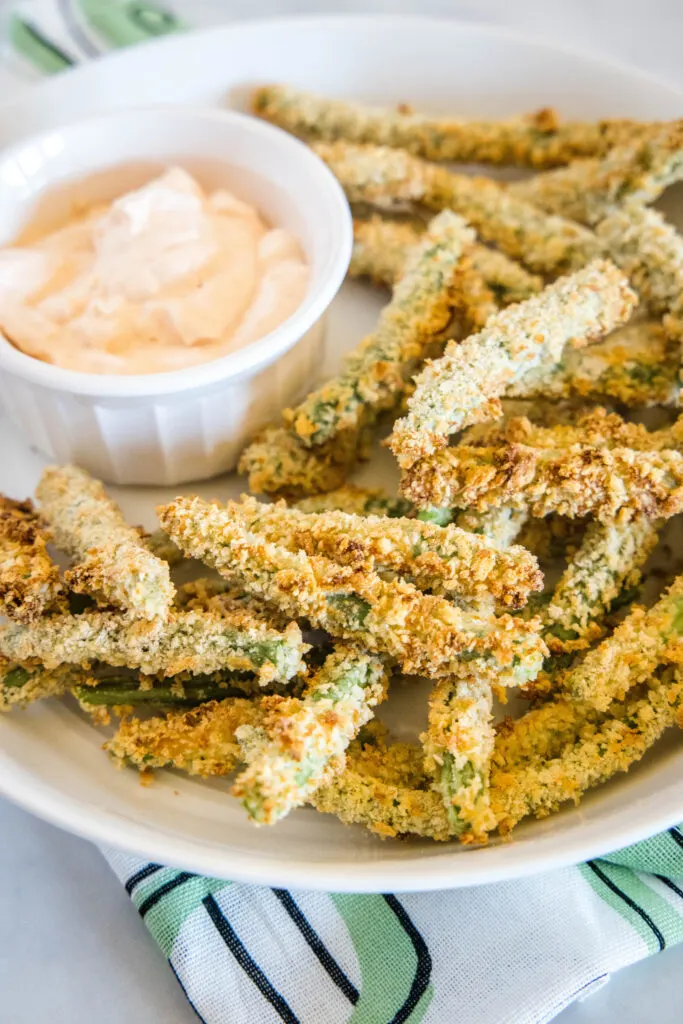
pixel 190 424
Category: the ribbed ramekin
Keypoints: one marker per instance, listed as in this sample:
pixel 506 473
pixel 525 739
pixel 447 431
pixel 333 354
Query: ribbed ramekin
pixel 190 424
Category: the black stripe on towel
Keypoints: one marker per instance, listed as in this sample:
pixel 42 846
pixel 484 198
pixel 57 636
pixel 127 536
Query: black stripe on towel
pixel 675 834
pixel 247 962
pixel 629 903
pixel 318 948
pixel 140 876
pixel 159 893
pixel 670 885
pixel 423 971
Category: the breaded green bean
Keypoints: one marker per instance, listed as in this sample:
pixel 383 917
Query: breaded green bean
pixel 423 633
pixel 650 251
pixel 458 746
pixel 463 387
pixel 440 559
pixel 29 579
pixel 186 642
pixel 638 170
pixel 542 732
pixel 473 301
pixel 602 749
pixel 123 692
pixel 530 140
pixel 376 374
pixel 639 644
pixel 608 562
pixel 278 463
pixel 380 248
pixel 218 597
pixel 506 278
pixel 290 753
pixel 391 178
pixel 200 741
pixel 576 481
pixel 636 365
pixel 359 501
pixel 114 562
pixel 385 789
pixel 597 427
pixel 29 681
pixel 381 245
pixel 500 525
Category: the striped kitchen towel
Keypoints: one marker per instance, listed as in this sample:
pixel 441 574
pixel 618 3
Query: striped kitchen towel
pixel 516 952
pixel 512 953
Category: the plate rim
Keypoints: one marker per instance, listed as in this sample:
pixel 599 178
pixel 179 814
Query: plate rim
pixel 446 871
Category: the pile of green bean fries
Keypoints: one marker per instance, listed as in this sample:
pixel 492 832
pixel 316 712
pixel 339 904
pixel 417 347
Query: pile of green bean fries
pixel 527 326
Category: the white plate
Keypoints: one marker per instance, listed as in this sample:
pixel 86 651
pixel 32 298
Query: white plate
pixel 50 758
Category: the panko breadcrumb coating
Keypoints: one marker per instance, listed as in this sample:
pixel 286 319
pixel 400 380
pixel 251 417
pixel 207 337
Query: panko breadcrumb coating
pixel 596 427
pixel 29 579
pixel 636 365
pixel 200 741
pixel 579 480
pixel 639 644
pixel 650 251
pixel 638 170
pixel 188 641
pixel 458 745
pixel 601 750
pixel 440 559
pixel 536 140
pixel 278 463
pixel 290 752
pixel 114 562
pixel 608 561
pixel 463 387
pixel 389 179
pixel 22 684
pixel 424 634
pixel 218 597
pixel 382 788
pixel 500 525
pixel 359 501
pixel 375 374
pixel 381 245
pixel 543 732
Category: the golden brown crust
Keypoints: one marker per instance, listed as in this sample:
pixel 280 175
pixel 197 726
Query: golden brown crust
pixel 29 579
pixel 603 748
pixel 537 139
pixel 381 246
pixel 200 741
pixel 440 559
pixel 577 481
pixel 277 463
pixel 464 386
pixel 115 565
pixel 187 641
pixel 424 633
pixel 388 179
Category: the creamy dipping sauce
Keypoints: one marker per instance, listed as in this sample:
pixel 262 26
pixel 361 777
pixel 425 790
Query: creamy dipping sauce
pixel 164 277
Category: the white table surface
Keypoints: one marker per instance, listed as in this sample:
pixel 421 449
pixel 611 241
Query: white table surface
pixel 72 947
